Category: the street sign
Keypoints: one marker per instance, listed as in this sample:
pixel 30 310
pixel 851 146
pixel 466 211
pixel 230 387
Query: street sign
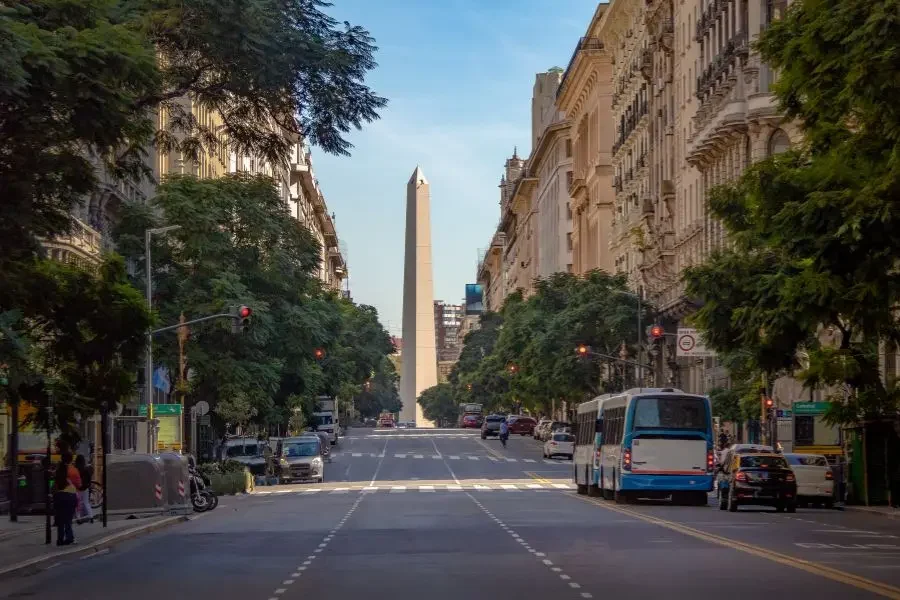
pixel 811 408
pixel 690 344
pixel 203 420
pixel 202 407
pixel 784 414
pixel 160 409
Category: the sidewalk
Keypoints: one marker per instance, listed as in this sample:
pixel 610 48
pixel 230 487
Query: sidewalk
pixel 885 511
pixel 23 549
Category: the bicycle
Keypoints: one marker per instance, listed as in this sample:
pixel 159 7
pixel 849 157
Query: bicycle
pixel 96 494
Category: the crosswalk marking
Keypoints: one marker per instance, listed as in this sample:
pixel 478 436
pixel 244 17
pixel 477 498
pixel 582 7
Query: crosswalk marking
pixel 357 454
pixel 435 456
pixel 473 457
pixel 453 457
pixel 399 456
pixel 418 456
pixel 529 460
pixel 511 460
pixel 492 458
pixel 399 489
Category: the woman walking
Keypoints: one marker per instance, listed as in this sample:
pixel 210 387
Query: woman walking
pixel 85 513
pixel 65 499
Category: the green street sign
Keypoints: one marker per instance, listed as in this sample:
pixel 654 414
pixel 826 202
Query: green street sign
pixel 811 408
pixel 160 409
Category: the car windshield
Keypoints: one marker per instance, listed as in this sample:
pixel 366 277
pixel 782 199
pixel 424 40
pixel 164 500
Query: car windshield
pixel 295 449
pixel 251 449
pixel 323 419
pixel 806 460
pixel 763 462
pixel 677 412
pixel 563 437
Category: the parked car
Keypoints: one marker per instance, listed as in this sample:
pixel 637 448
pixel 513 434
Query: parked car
pixel 538 429
pixel 554 427
pixel 472 421
pixel 560 444
pixel 491 426
pixel 521 425
pixel 815 481
pixel 301 459
pixel 758 479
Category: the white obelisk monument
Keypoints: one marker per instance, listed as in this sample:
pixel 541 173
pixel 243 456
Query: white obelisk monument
pixel 419 370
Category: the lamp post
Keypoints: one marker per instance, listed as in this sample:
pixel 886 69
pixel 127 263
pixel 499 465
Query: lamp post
pixel 148 368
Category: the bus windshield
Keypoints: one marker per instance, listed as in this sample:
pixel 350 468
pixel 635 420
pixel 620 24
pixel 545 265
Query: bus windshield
pixel 676 412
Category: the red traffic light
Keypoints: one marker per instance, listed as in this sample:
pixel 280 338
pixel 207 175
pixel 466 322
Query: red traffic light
pixel 769 403
pixel 582 349
pixel 513 368
pixel 244 312
pixel 657 332
pixel 319 353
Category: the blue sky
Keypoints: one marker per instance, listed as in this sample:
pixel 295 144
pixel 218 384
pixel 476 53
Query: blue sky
pixel 458 75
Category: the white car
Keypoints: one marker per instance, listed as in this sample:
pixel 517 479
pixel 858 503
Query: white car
pixel 815 481
pixel 560 444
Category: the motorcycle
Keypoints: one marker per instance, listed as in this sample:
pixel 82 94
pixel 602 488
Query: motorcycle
pixel 202 498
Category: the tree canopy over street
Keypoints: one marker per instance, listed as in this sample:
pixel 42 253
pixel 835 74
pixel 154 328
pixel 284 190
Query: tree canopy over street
pixel 525 355
pixel 89 89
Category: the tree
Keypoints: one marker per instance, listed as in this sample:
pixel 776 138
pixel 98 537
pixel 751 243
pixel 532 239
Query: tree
pixel 439 404
pixel 812 229
pixel 525 356
pixel 380 393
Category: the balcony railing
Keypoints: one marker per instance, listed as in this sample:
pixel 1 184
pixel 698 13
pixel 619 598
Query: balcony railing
pixel 585 43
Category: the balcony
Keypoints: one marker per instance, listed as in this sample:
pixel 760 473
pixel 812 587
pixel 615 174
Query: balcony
pixel 81 245
pixel 646 65
pixel 723 66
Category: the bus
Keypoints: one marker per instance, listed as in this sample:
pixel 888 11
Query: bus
pixel 645 443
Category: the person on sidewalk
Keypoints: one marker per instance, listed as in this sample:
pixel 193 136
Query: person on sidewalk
pixel 65 499
pixel 85 513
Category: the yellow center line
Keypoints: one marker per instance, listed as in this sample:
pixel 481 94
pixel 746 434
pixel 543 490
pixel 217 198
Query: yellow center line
pixel 537 478
pixel 882 589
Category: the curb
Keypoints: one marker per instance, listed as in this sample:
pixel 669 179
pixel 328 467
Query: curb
pixel 40 563
pixel 890 513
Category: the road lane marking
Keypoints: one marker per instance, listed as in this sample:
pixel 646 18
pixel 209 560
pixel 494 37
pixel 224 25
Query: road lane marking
pixel 480 487
pixel 426 488
pixel 380 461
pixel 453 457
pixel 455 488
pixel 885 590
pixel 437 456
pixel 528 460
pixel 473 457
pixel 493 458
pixel 356 454
pixel 512 460
pixel 398 488
pixel 399 456
pixel 509 487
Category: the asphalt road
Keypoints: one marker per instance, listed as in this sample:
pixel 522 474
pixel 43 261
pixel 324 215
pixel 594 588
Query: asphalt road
pixel 442 514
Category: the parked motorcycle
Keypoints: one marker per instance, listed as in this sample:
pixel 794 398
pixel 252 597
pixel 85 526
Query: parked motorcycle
pixel 202 498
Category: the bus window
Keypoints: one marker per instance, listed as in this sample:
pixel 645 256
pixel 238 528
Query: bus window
pixel 677 412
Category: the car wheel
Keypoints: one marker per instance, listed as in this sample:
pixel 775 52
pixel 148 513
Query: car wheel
pixel 779 507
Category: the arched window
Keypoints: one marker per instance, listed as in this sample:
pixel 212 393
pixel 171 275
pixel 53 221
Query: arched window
pixel 779 142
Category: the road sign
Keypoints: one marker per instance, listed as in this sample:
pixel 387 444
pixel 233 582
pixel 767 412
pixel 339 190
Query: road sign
pixel 811 408
pixel 689 343
pixel 160 409
pixel 202 407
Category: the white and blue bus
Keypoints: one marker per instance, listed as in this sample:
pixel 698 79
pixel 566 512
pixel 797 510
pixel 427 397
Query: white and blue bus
pixel 645 443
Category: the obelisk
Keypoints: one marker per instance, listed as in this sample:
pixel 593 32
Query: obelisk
pixel 419 371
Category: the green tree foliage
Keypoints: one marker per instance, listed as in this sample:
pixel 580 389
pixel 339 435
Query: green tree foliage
pixel 526 356
pixel 380 392
pixel 80 345
pixel 813 230
pixel 439 405
pixel 237 244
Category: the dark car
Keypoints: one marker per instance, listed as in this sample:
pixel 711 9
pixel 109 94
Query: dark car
pixel 521 425
pixel 491 425
pixel 757 479
pixel 472 421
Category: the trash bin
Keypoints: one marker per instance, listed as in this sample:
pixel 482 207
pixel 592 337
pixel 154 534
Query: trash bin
pixel 177 484
pixel 136 484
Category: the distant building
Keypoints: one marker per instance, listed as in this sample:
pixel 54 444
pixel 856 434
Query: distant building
pixel 448 319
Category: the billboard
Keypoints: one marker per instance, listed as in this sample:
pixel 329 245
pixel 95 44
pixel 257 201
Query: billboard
pixel 474 299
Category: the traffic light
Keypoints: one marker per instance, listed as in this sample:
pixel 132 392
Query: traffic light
pixel 513 369
pixel 240 319
pixel 319 353
pixel 582 350
pixel 656 332
pixel 768 405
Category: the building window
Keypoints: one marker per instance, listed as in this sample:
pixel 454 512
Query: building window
pixel 779 142
pixel 568 211
pixel 569 148
pixel 569 179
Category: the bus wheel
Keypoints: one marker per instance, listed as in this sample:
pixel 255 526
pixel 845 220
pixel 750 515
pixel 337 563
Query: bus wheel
pixel 622 498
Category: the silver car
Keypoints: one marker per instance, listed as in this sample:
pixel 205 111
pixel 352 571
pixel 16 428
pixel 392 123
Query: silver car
pixel 301 459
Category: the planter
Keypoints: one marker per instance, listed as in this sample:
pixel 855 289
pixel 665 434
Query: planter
pixel 231 483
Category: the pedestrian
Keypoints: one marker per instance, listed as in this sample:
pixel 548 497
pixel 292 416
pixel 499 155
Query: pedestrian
pixel 85 512
pixel 65 499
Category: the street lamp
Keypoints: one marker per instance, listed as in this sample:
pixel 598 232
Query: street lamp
pixel 638 296
pixel 148 368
